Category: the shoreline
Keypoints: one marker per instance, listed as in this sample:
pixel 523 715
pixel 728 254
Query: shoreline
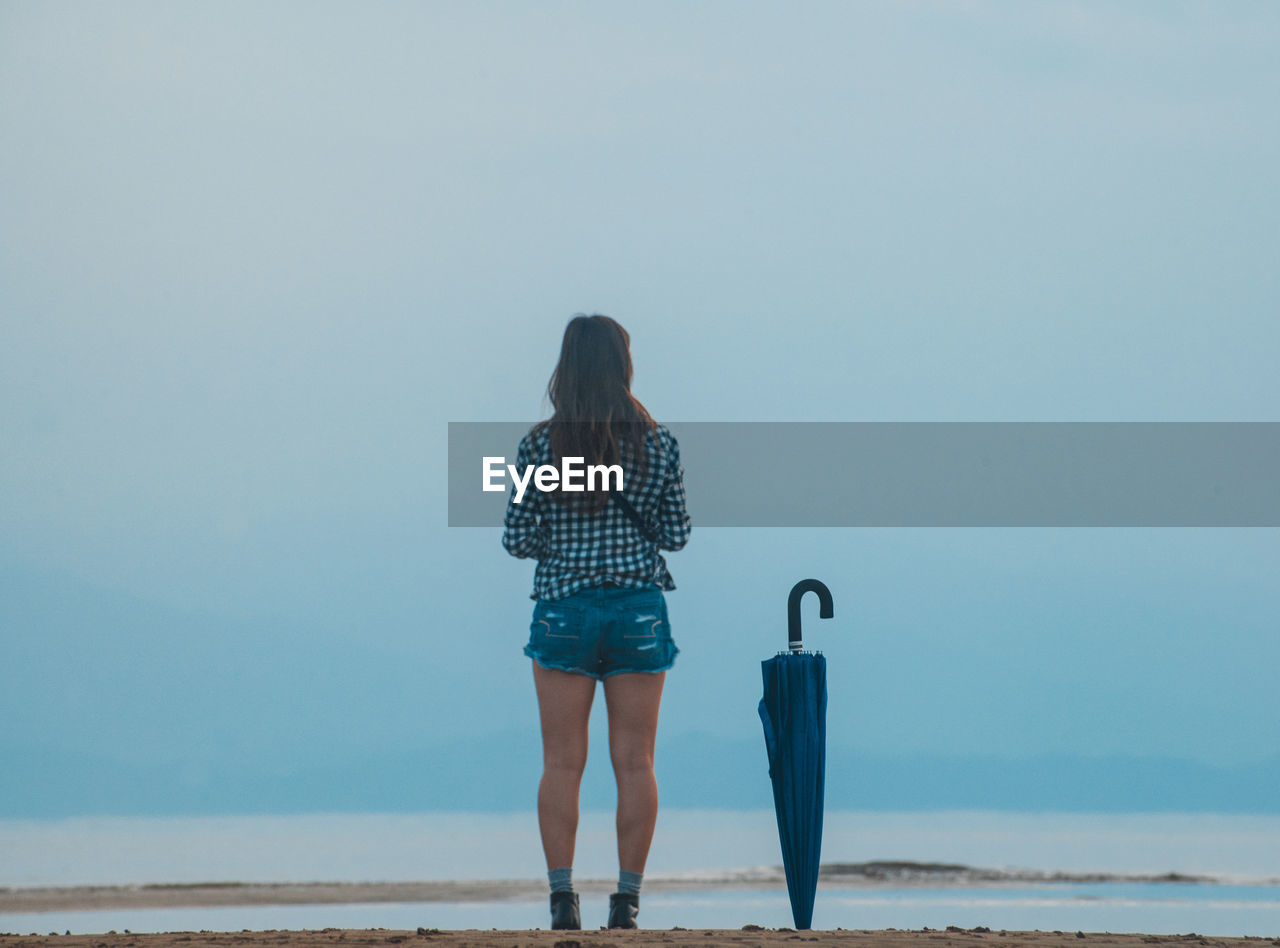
pixel 704 902
pixel 862 876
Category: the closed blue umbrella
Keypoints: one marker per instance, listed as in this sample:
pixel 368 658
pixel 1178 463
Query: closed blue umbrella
pixel 794 713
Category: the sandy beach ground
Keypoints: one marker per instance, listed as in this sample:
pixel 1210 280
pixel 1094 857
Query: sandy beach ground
pixel 749 937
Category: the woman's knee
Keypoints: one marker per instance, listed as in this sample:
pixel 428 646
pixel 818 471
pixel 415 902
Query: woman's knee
pixel 636 762
pixel 570 761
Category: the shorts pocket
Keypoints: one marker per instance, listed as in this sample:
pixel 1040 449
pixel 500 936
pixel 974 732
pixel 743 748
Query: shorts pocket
pixel 554 621
pixel 650 624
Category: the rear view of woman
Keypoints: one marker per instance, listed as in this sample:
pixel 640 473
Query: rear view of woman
pixel 600 613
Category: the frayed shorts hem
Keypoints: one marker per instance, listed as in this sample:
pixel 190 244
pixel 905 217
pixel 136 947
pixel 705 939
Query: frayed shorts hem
pixel 598 676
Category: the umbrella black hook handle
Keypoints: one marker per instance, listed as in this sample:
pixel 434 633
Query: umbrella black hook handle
pixel 826 608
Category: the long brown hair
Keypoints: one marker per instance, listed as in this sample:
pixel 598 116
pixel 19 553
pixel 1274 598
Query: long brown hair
pixel 595 415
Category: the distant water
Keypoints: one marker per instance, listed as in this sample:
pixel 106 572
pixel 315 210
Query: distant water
pixel 1238 856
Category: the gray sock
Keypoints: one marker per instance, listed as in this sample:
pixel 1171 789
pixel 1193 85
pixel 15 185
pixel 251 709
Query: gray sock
pixel 629 882
pixel 561 879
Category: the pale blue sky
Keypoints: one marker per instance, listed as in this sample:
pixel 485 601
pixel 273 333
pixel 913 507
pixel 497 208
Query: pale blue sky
pixel 253 258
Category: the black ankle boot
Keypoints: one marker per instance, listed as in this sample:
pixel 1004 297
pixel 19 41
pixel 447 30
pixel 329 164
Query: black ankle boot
pixel 564 911
pixel 623 909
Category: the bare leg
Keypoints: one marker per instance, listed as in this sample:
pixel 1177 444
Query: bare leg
pixel 564 705
pixel 633 701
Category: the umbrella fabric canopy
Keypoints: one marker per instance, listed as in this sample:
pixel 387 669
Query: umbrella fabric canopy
pixel 794 714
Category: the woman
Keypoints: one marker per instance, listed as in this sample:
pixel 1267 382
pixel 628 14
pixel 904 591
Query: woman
pixel 600 613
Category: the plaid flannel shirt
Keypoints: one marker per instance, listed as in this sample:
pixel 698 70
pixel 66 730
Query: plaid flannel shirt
pixel 576 549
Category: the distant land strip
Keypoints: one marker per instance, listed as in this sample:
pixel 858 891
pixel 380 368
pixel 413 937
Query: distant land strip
pixel 881 874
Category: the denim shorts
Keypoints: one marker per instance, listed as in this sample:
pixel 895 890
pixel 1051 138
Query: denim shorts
pixel 603 631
